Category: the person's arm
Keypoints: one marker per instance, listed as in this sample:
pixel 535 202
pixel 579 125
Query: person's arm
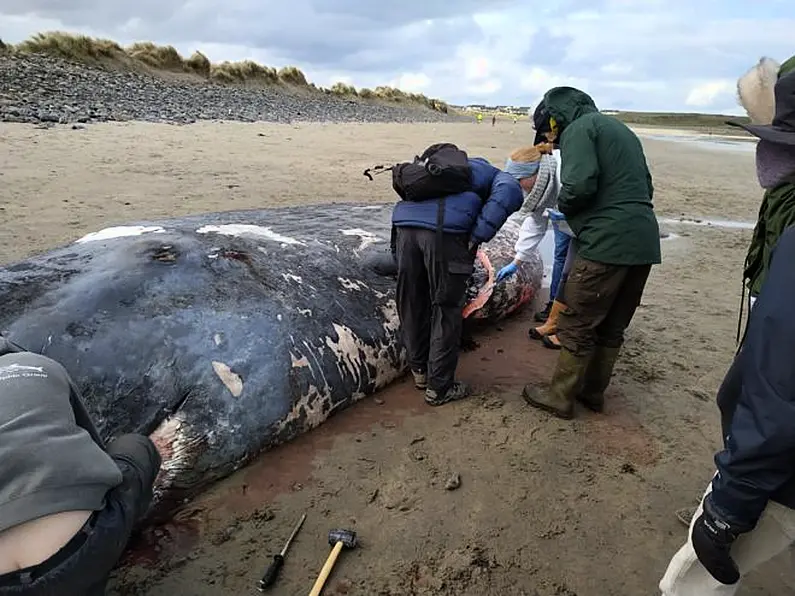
pixel 579 169
pixel 759 453
pixel 759 456
pixel 530 236
pixel 504 197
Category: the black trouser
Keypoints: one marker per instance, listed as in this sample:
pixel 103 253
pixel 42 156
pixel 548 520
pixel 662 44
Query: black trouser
pixel 82 566
pixel 600 301
pixel 431 292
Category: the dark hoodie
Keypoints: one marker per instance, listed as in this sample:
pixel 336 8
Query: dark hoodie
pixel 607 191
pixel 52 456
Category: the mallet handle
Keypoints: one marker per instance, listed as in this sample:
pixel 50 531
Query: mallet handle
pixel 326 571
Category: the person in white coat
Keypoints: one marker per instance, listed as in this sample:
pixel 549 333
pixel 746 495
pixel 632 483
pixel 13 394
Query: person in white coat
pixel 537 169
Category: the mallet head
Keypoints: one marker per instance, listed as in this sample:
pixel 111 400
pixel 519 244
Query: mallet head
pixel 347 537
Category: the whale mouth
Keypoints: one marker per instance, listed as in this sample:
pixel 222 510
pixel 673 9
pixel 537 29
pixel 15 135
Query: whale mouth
pixel 483 296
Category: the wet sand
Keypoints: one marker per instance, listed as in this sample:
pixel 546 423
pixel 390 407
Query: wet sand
pixel 545 507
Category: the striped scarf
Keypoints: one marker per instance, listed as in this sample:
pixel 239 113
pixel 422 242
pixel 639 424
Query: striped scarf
pixel 545 191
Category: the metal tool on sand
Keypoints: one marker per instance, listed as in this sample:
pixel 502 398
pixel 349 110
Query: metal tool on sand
pixel 337 538
pixel 278 560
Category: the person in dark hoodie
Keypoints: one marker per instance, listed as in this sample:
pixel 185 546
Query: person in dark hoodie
pixel 431 287
pixel 606 197
pixel 747 515
pixel 68 502
pixel 775 166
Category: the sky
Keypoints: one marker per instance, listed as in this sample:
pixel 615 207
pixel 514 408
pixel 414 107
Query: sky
pixel 652 55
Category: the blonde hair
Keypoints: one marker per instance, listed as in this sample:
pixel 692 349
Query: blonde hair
pixel 530 153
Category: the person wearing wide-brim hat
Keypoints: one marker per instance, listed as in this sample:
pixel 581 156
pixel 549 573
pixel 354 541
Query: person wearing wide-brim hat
pixel 767 92
pixel 747 513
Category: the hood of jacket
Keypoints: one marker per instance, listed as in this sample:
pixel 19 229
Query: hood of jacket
pixel 566 104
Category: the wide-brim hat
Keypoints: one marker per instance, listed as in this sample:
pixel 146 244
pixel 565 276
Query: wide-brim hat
pixel 782 127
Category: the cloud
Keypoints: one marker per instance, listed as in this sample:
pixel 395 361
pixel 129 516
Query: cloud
pixel 672 55
pixel 705 94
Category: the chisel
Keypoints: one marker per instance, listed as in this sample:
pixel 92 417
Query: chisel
pixel 278 560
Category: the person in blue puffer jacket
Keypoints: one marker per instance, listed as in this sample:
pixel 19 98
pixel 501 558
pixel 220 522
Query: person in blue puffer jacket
pixel 431 288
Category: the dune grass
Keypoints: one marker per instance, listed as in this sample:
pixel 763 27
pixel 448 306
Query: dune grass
pixel 153 57
pixel 703 123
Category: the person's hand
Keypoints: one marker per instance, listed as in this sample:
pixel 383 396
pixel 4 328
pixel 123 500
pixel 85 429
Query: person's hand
pixel 712 540
pixel 508 271
pixel 555 215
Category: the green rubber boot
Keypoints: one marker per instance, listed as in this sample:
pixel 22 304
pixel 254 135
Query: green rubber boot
pixel 597 378
pixel 566 383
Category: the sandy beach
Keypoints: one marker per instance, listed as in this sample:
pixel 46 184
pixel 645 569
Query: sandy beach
pixel 545 507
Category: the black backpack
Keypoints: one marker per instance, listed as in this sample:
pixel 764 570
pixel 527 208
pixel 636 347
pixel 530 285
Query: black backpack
pixel 442 169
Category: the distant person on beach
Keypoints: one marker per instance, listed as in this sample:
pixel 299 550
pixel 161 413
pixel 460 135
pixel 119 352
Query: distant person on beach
pixel 606 197
pixel 747 515
pixel 432 278
pixel 68 503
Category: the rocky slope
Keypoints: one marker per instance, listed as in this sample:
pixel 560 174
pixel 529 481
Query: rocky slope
pixel 42 89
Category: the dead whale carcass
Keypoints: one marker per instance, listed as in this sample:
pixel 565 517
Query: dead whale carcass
pixel 225 334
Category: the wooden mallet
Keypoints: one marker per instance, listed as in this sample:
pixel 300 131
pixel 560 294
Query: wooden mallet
pixel 338 539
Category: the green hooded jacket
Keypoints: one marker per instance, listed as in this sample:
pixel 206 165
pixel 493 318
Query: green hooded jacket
pixel 776 213
pixel 606 187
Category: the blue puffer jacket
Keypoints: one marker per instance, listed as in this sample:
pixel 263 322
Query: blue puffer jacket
pixel 467 212
pixel 757 402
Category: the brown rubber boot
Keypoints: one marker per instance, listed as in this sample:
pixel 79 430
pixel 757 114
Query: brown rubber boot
pixel 551 324
pixel 597 378
pixel 566 383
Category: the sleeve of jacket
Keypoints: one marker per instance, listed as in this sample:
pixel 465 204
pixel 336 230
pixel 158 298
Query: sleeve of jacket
pixel 759 453
pixel 530 235
pixel 504 198
pixel 579 169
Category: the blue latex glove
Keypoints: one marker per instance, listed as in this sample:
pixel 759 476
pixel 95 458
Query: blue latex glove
pixel 555 215
pixel 506 272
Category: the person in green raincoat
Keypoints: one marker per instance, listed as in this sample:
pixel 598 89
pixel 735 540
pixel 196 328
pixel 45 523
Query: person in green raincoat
pixel 606 196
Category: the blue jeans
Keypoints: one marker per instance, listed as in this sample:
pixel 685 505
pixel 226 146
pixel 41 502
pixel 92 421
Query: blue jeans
pixel 561 248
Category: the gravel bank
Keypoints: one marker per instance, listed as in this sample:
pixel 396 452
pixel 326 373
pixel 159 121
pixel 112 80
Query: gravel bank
pixel 41 89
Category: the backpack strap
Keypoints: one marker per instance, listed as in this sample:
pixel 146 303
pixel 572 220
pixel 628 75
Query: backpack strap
pixel 440 256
